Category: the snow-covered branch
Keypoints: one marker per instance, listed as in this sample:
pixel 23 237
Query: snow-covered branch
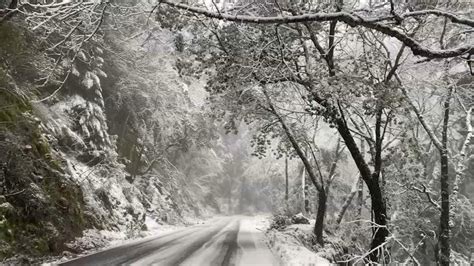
pixel 421 118
pixel 352 20
pixel 463 153
pixel 425 191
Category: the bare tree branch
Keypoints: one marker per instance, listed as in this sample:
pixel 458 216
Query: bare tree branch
pixel 425 191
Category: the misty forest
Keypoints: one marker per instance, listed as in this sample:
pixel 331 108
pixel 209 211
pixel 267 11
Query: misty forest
pixel 236 132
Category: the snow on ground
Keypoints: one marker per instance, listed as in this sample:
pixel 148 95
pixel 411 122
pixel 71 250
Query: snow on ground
pixel 207 246
pixel 252 242
pixel 290 250
pixel 256 245
pixel 94 241
pixel 211 247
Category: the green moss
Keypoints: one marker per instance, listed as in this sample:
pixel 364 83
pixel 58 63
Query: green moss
pixel 41 245
pixel 16 47
pixel 12 40
pixel 55 164
pixel 3 78
pixel 38 226
pixel 41 146
pixel 20 234
pixel 12 108
pixel 46 230
pixel 51 214
pixel 4 228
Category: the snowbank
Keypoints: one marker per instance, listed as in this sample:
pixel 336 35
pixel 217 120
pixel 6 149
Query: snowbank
pixel 288 247
pixel 253 245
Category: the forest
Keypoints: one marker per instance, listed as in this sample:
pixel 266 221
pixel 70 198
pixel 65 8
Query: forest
pixel 338 132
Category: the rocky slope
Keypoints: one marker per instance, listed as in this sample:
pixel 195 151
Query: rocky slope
pixel 73 155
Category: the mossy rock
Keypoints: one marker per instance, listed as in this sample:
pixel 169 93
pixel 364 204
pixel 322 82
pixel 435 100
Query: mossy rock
pixel 39 222
pixel 50 211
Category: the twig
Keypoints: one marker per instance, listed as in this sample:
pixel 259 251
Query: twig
pixel 14 193
pixel 428 195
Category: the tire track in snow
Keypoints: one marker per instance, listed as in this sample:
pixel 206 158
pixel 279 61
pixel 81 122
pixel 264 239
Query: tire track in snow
pixel 224 241
pixel 128 253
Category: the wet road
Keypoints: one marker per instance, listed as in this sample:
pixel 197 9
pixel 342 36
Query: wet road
pixel 222 241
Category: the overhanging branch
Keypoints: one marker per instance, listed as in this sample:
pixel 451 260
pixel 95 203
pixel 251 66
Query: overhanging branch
pixel 351 20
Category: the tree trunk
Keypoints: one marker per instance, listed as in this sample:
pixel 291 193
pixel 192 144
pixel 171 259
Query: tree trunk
pixel 229 197
pixel 319 225
pixel 304 194
pixel 360 195
pixel 348 201
pixel 360 199
pixel 461 165
pixel 229 203
pixel 306 200
pixel 380 218
pixel 444 248
pixel 307 209
pixel 321 213
pixel 294 144
pixel 372 181
pixel 286 181
pixel 442 252
pixel 444 218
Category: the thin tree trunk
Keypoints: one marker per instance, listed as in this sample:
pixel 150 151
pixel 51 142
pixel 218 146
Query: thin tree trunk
pixel 294 144
pixel 305 194
pixel 287 206
pixel 348 201
pixel 360 195
pixel 286 180
pixel 444 247
pixel 306 200
pixel 229 196
pixel 380 218
pixel 321 213
pixel 303 191
pixel 371 179
pixel 379 207
pixel 372 182
pixel 229 202
pixel 442 252
pixel 360 199
pixel 319 186
pixel 461 165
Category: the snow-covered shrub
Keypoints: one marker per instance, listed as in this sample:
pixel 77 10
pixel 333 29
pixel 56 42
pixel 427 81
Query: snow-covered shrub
pixel 280 222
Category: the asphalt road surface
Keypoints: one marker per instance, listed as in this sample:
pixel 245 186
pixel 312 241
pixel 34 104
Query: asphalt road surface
pixel 222 241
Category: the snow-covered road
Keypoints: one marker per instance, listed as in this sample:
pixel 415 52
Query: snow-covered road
pixel 222 241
